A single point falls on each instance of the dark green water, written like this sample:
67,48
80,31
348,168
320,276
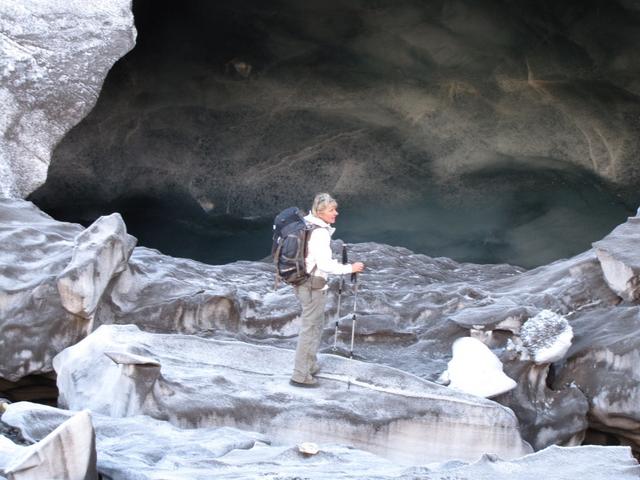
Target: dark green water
507,214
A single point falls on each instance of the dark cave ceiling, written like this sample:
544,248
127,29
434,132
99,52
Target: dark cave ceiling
245,107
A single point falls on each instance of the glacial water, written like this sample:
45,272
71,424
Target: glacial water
509,214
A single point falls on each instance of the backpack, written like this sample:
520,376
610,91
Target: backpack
290,237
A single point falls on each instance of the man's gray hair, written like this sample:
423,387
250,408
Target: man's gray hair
322,202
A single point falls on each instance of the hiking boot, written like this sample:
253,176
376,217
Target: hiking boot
315,369
310,384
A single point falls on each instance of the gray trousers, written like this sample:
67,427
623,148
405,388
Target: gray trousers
312,324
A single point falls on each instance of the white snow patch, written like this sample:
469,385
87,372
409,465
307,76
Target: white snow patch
547,337
476,370
557,350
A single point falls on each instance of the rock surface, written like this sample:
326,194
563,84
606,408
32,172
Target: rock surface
68,451
141,448
411,308
34,325
392,99
603,363
54,56
549,414
59,287
56,284
620,261
100,253
372,407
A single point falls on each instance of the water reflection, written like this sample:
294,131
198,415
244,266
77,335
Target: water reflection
506,214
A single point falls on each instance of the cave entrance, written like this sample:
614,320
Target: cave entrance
227,112
32,388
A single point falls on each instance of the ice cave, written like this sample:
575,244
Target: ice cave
484,157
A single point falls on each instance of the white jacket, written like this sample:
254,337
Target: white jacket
319,250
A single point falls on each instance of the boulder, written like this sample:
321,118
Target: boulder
53,277
502,315
602,363
34,325
617,253
205,382
68,452
549,415
55,57
100,252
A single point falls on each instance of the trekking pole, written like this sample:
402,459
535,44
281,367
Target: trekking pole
340,287
354,278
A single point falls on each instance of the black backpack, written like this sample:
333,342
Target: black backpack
290,237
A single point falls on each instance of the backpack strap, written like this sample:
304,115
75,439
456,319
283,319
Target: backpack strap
276,256
307,237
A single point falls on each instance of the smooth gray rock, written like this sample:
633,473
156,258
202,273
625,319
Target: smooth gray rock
53,276
603,363
9,433
618,255
405,294
548,416
100,252
495,316
411,308
54,56
391,98
68,451
165,294
207,382
141,448
404,298
589,462
34,326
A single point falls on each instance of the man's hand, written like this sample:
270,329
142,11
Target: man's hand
357,267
